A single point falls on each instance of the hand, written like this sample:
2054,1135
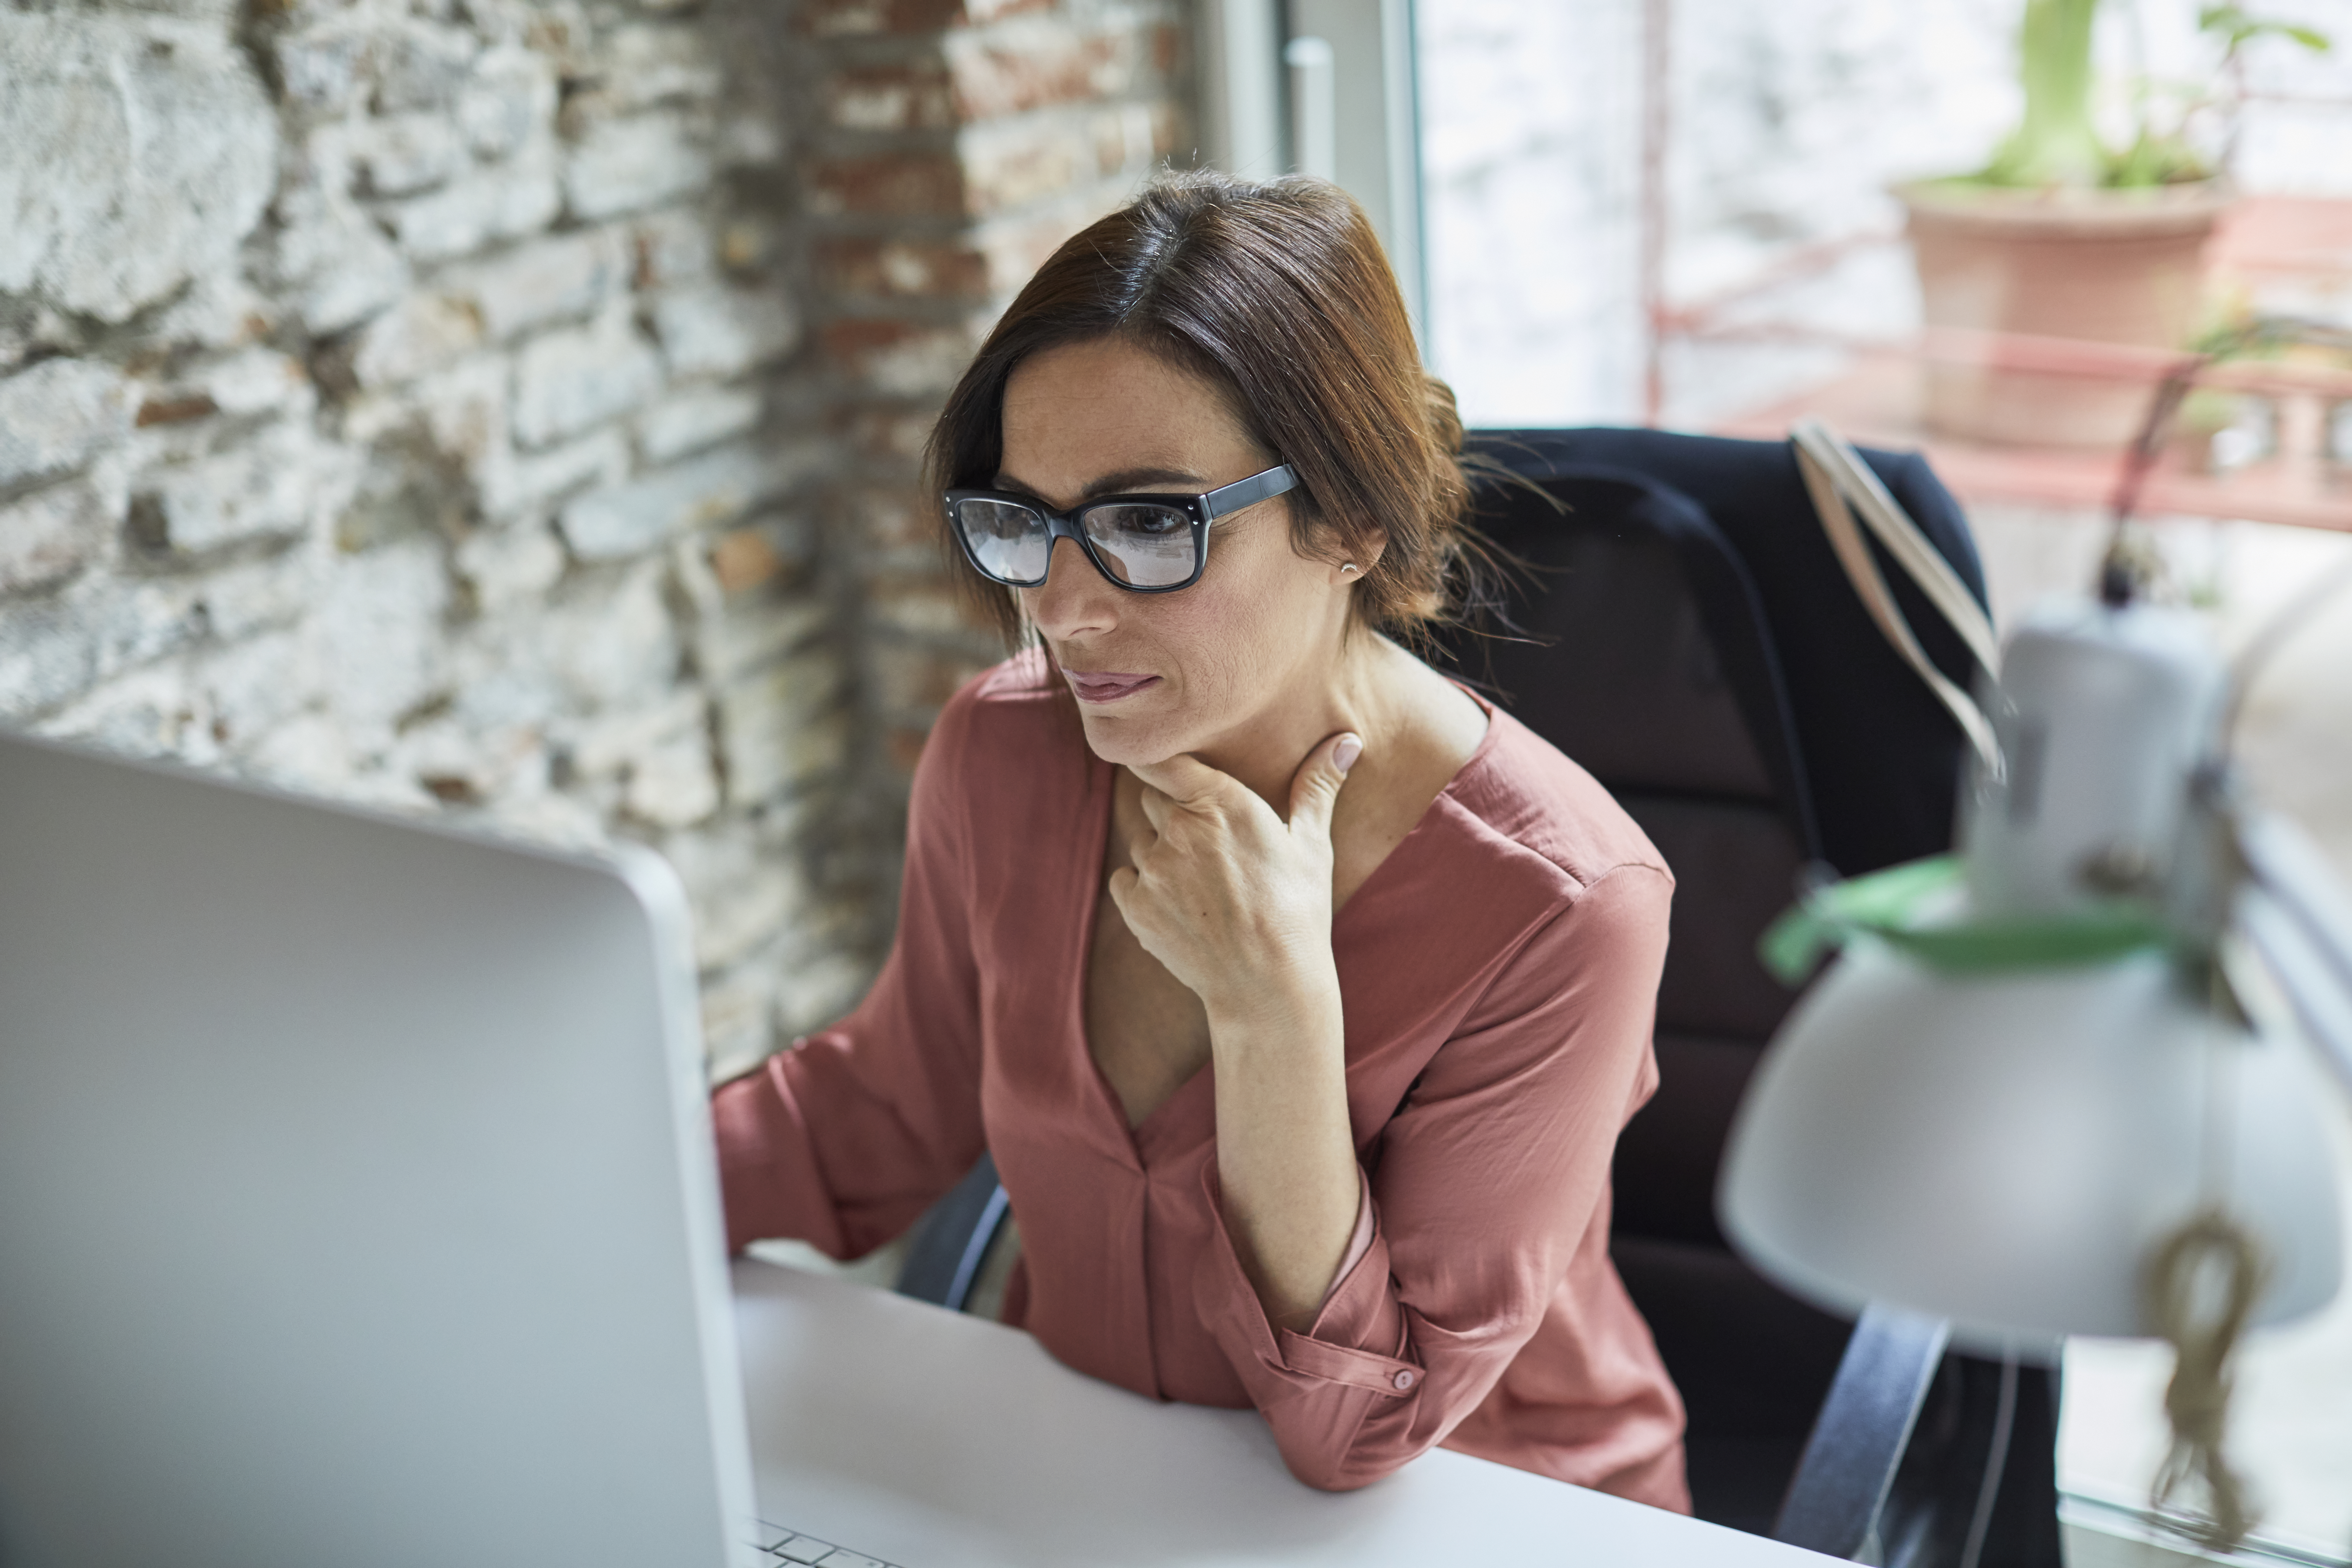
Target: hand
1232,900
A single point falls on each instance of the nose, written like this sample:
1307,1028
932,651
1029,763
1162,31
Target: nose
1074,601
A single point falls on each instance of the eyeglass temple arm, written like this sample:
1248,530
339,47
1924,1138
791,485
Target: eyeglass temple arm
1276,480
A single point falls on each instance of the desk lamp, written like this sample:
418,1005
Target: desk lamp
2046,1088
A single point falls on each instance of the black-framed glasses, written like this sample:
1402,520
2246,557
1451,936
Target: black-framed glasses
1145,543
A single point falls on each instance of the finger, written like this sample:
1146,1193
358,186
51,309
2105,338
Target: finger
1315,787
1121,884
1139,842
1156,808
1182,778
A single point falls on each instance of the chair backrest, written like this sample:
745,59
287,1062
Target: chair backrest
1691,640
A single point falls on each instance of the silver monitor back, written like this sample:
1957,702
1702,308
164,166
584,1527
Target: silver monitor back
356,1203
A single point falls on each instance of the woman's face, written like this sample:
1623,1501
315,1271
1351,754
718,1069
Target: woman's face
1160,674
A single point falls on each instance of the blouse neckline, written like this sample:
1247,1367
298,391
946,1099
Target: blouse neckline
1141,1141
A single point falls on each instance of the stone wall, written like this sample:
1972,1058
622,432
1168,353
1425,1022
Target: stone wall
952,144
505,409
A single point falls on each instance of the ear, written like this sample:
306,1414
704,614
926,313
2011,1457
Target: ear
1348,563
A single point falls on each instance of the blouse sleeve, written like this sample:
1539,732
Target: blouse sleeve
1487,1181
844,1140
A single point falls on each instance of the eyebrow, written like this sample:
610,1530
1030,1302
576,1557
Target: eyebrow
1125,481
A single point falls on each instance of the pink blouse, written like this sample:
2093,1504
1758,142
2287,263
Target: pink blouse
1499,972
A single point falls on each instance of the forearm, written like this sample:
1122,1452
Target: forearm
1285,1156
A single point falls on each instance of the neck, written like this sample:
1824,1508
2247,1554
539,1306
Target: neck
1354,690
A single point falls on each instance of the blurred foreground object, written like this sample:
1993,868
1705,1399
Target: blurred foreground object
2039,1094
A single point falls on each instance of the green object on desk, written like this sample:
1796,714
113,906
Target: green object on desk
1899,906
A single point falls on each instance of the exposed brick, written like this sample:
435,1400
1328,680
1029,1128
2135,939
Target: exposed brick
1017,245
887,434
1131,138
1009,164
527,545
905,184
900,358
851,19
893,517
905,269
1034,62
918,96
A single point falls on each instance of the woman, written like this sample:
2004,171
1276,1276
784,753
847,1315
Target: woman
1313,1112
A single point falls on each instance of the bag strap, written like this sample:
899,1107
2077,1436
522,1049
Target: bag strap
1842,486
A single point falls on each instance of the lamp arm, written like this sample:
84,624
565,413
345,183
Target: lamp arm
2299,921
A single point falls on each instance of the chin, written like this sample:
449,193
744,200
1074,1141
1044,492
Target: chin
1122,742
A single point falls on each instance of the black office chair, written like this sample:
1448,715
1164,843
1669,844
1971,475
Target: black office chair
1694,643
1688,636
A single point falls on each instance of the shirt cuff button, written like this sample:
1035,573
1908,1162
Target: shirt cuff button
1403,1380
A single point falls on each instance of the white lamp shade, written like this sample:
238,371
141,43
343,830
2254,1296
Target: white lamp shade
2003,1150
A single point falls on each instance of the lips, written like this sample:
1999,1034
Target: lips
1107,685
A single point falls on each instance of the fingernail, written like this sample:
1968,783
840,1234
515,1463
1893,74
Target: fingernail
1344,754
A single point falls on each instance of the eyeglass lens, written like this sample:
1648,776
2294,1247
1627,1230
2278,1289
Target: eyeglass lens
1140,544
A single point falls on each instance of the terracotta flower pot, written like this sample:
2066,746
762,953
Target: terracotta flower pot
2114,267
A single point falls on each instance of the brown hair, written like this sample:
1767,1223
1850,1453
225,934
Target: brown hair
1276,292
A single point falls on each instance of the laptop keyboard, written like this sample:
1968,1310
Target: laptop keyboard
784,1547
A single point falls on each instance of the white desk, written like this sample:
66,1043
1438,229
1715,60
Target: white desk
944,1441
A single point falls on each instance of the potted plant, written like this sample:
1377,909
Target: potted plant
2061,235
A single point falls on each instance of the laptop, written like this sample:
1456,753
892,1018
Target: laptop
357,1203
